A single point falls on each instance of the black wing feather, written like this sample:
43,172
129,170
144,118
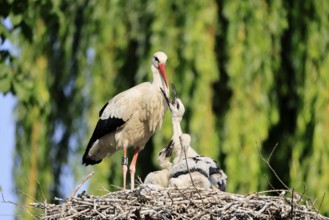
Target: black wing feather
103,128
102,109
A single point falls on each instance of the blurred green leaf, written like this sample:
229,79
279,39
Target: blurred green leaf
16,19
20,92
5,78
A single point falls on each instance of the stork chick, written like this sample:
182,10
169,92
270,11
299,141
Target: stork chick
130,119
188,171
196,163
160,178
203,169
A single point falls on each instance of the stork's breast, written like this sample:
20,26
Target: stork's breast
156,107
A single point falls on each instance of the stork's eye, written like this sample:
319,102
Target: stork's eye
156,59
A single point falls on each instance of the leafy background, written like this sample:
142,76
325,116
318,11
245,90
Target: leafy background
252,74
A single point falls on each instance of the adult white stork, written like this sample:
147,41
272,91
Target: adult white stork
130,119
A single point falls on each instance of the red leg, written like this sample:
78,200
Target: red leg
132,168
124,166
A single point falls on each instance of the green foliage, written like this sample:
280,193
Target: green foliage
253,57
250,73
309,165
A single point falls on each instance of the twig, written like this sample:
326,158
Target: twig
80,184
276,175
42,193
189,172
269,183
18,205
324,194
292,204
193,201
262,209
270,156
33,199
74,191
269,165
99,213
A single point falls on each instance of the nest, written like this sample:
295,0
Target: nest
189,203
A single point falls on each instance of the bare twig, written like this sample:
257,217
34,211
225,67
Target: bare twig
292,205
189,172
302,195
270,156
324,194
269,165
74,192
42,193
18,205
27,196
80,184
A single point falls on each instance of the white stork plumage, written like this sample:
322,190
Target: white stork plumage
160,178
130,119
184,170
204,170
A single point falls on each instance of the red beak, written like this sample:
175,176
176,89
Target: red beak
162,68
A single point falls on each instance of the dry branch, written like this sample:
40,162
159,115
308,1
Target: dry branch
149,203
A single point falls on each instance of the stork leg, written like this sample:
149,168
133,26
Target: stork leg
124,166
132,168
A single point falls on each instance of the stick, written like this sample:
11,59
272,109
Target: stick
18,205
189,172
80,184
268,164
292,205
74,191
